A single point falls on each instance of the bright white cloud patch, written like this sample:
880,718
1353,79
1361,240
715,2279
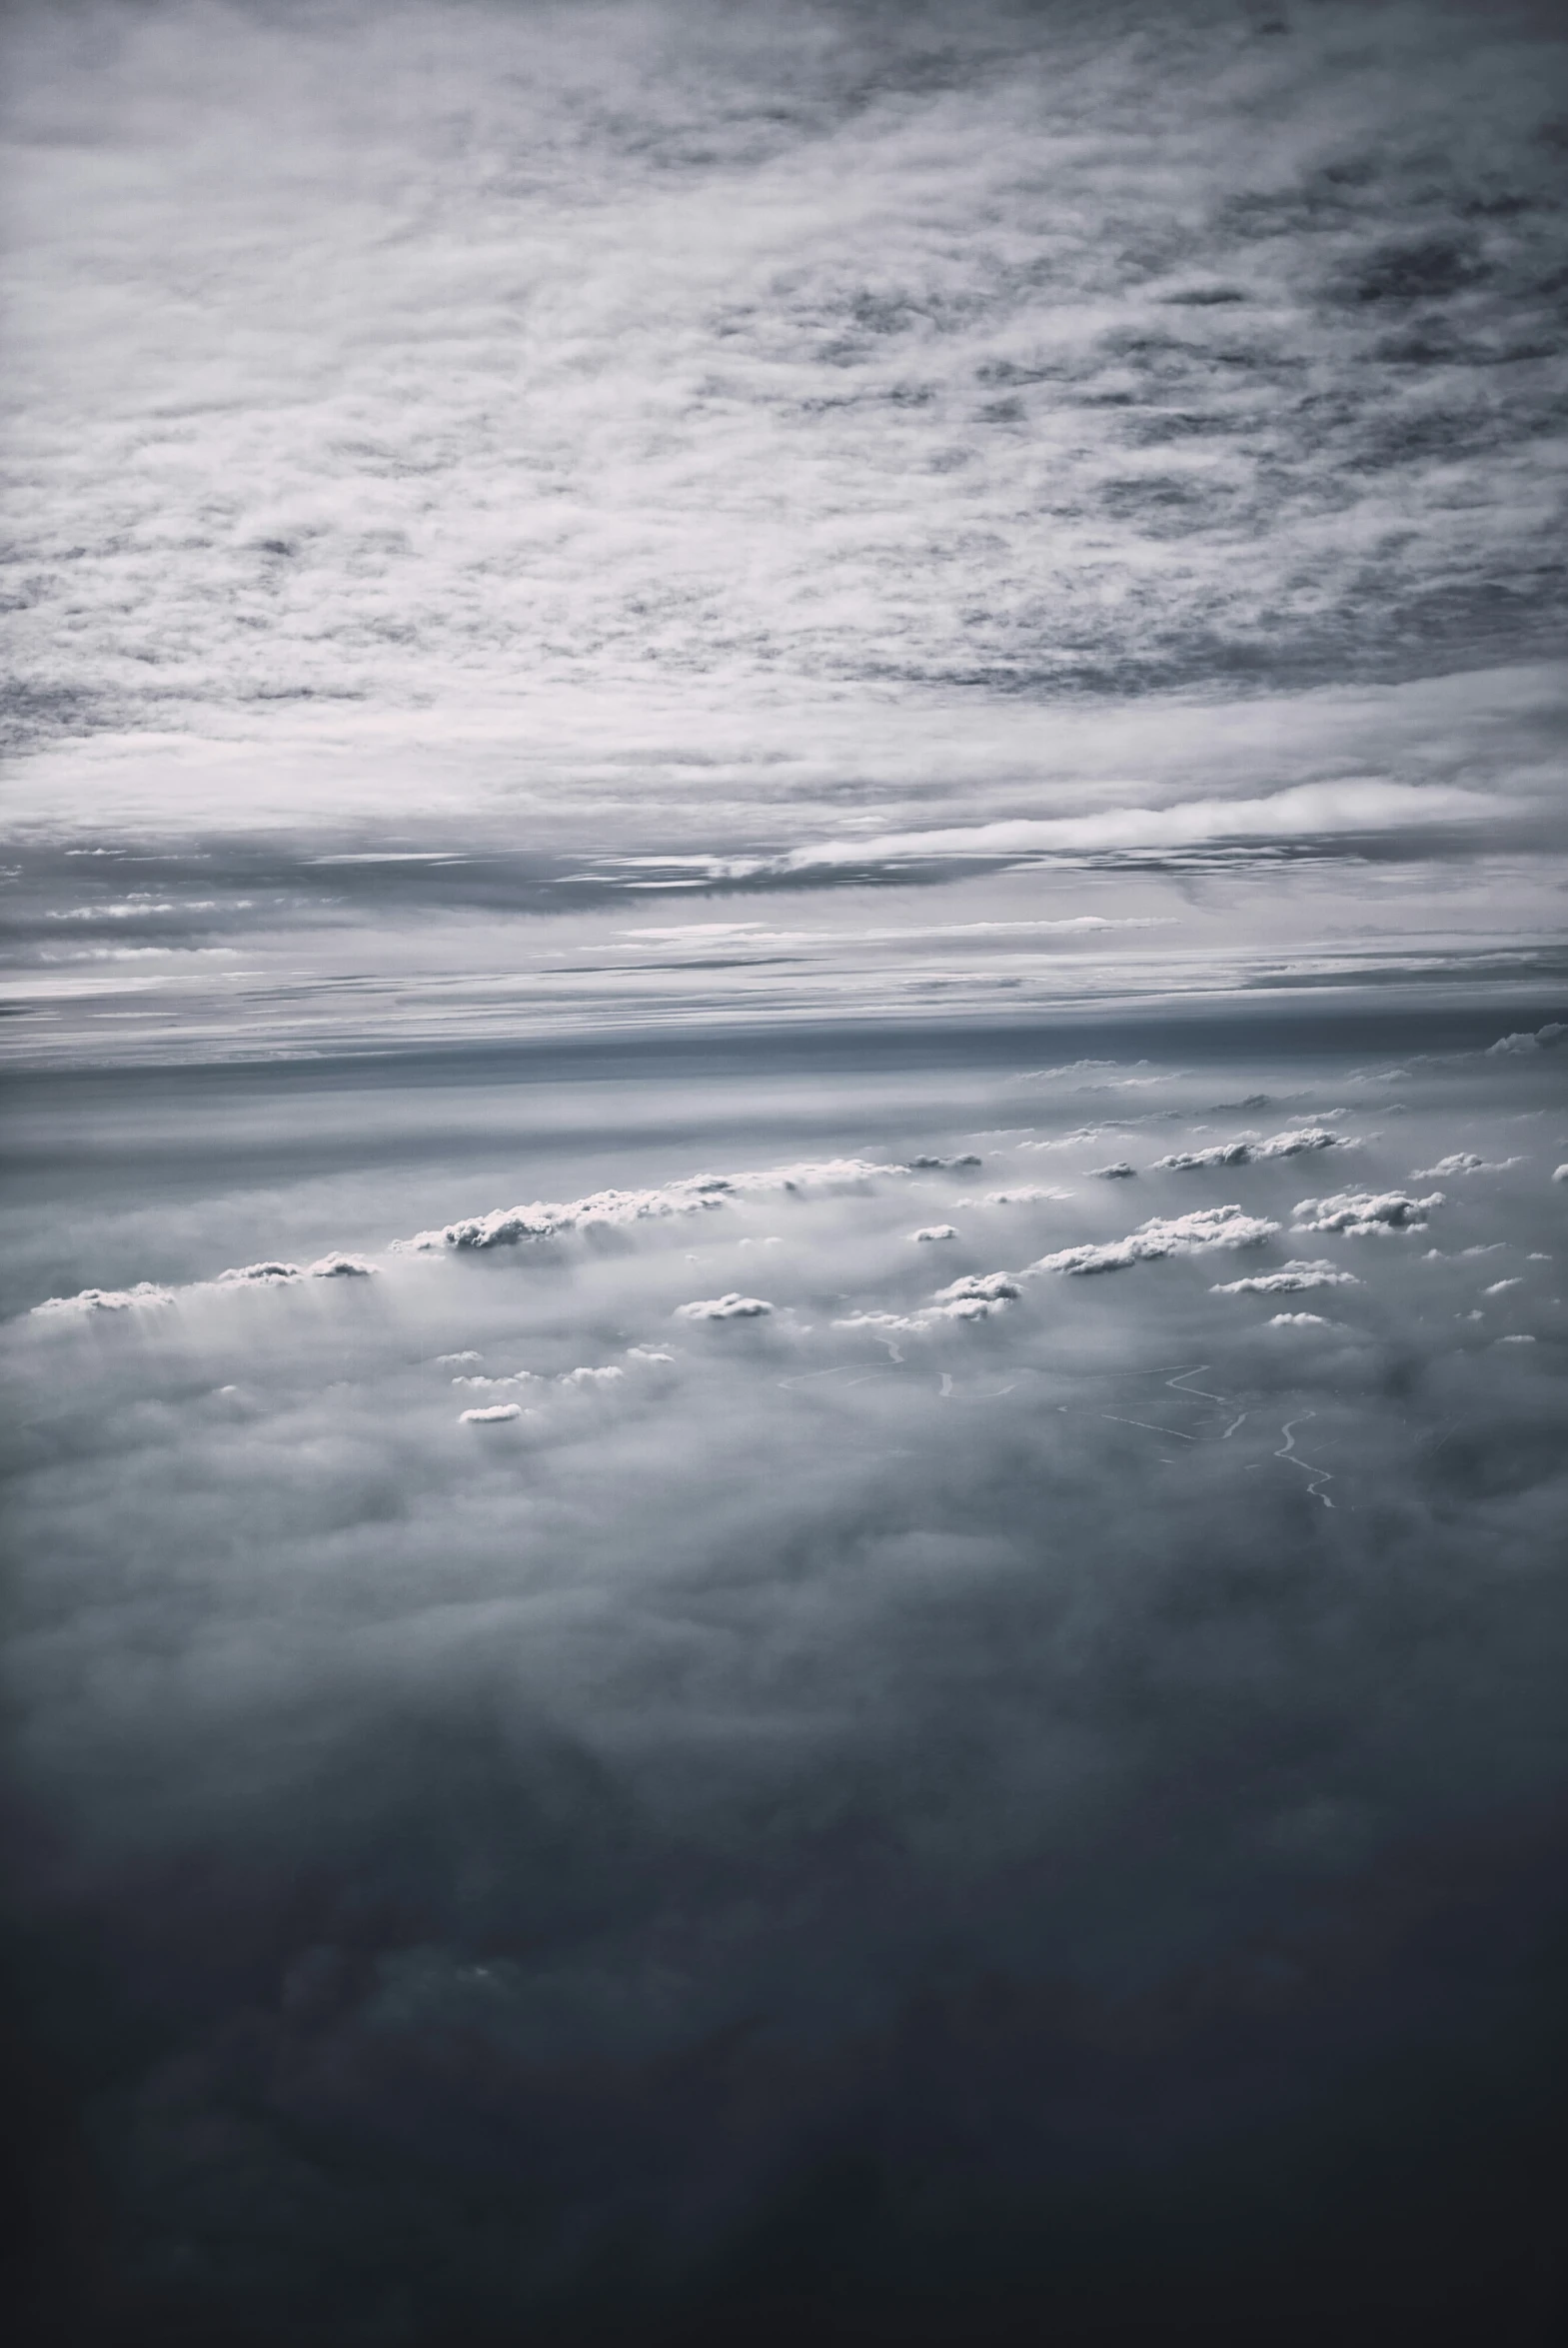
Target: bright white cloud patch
1461,1161
1290,1276
1358,1213
693,1195
1184,1235
729,1307
1249,1148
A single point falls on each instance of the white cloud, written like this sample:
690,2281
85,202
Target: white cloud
1248,1148
509,1226
977,1296
1290,1278
1501,1288
1462,1162
1184,1235
936,1231
87,1300
491,1414
1358,1213
730,1307
585,1377
1028,1195
1120,1171
1298,1320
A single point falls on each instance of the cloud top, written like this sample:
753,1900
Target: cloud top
1207,1227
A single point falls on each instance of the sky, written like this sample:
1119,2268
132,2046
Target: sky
786,1002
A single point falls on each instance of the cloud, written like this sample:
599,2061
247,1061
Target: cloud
1027,1195
1120,1171
1524,1043
936,1231
1290,1276
1311,811
1501,1288
977,1295
730,1307
1359,1212
1249,1150
1298,1320
1462,1162
489,1414
512,1226
87,1300
1196,1233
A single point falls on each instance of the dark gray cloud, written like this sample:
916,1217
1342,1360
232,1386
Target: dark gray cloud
945,1743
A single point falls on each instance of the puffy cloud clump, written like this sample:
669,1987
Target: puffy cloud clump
1248,1150
1300,1320
587,1378
977,1296
1182,1235
1521,1044
87,1300
1462,1162
1028,1195
1358,1213
338,1266
730,1307
1121,1172
489,1414
511,1226
1290,1279
936,1231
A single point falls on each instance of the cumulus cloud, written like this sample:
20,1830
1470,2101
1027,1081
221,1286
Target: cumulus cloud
89,1300
1462,1162
1249,1148
692,1194
936,1231
1196,1233
1358,1213
730,1307
1027,1195
977,1295
1298,1274
1298,1320
489,1414
1526,1042
1119,1171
